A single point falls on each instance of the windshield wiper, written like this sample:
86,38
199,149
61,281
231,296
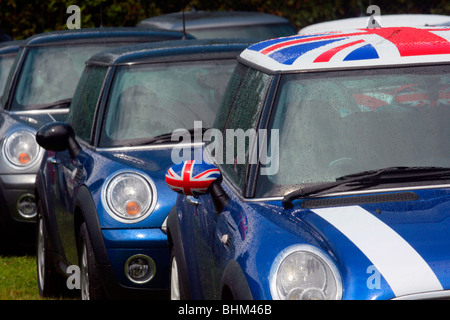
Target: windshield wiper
165,137
64,103
371,177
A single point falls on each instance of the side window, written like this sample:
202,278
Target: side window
240,127
84,103
4,93
229,96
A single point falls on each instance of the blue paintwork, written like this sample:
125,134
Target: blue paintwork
120,240
154,163
260,230
229,248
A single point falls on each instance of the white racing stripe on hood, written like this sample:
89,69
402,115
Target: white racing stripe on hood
402,267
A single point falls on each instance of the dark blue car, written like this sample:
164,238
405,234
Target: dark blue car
39,89
101,196
328,176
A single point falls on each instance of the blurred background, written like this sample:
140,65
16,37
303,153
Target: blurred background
21,19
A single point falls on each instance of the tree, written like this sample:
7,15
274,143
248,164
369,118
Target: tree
21,18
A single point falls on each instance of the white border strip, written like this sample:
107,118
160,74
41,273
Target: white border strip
403,268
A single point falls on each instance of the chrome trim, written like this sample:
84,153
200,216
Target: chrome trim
164,225
148,147
306,248
34,112
192,200
445,294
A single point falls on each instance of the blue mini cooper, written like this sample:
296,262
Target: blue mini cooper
101,196
39,89
329,173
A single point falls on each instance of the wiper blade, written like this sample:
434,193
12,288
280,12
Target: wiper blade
399,173
165,137
65,103
365,178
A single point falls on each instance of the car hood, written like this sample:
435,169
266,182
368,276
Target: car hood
154,162
392,247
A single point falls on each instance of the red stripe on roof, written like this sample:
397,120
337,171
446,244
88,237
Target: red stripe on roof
327,55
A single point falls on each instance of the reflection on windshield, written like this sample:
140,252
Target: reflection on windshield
51,74
6,63
333,124
149,100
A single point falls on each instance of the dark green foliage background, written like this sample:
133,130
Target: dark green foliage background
20,18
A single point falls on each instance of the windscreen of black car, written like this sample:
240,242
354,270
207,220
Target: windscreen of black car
6,62
149,100
332,124
50,75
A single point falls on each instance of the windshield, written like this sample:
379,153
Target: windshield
150,100
257,32
332,124
6,62
50,75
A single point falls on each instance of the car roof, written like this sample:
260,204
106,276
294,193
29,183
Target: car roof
390,20
210,19
96,35
356,48
10,46
169,51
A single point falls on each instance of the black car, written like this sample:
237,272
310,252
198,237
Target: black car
224,24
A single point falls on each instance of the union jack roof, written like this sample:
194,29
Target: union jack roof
352,48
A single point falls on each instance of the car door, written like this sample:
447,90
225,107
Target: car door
70,172
67,176
223,226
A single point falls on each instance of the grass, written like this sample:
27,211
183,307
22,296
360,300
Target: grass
18,279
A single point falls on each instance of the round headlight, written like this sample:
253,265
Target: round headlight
21,149
129,197
304,272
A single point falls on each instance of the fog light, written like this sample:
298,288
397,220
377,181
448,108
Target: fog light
26,206
140,269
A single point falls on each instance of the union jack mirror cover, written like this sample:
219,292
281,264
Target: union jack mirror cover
191,177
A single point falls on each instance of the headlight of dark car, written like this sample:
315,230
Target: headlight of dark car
303,272
129,197
21,150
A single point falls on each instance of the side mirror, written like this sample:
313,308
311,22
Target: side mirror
192,178
58,136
